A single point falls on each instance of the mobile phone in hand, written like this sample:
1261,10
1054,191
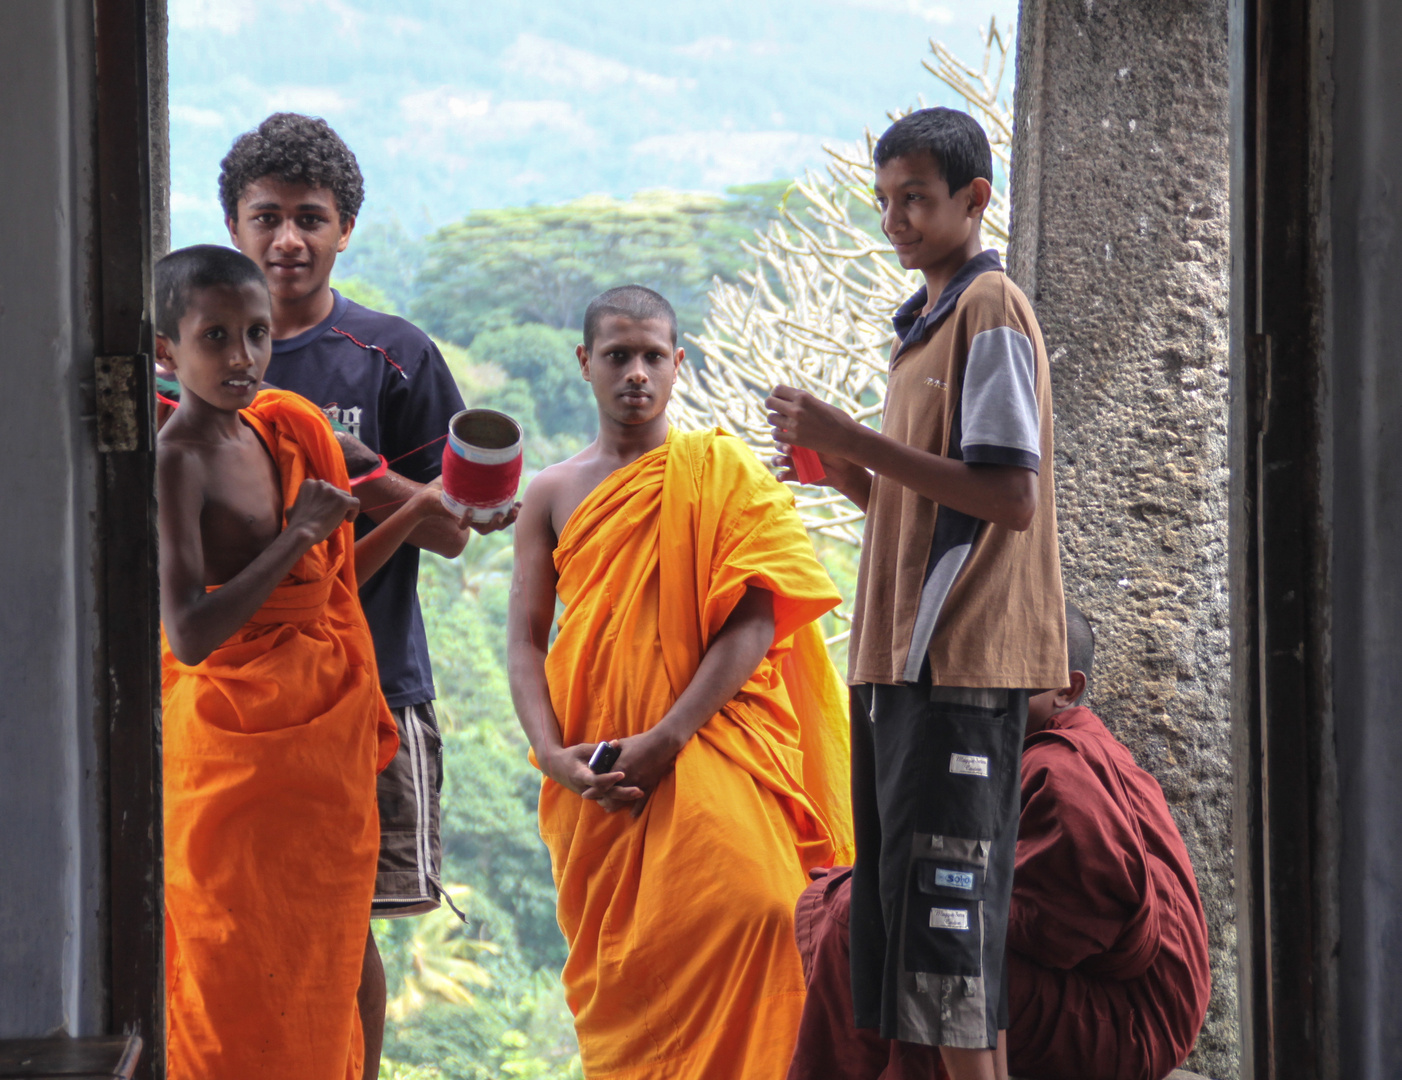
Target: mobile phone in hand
603,757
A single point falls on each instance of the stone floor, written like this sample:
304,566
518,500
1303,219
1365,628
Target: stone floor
1176,1074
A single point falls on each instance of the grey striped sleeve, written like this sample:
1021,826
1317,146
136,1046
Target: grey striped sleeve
1000,418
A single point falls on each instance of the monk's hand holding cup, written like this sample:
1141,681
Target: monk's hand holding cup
320,509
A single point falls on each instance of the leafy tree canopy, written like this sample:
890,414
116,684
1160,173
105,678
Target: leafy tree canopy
543,264
543,358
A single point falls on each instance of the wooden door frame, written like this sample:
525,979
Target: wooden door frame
130,124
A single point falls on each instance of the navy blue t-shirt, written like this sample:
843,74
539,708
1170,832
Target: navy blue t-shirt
382,378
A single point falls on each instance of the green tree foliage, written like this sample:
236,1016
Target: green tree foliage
542,264
387,257
365,293
543,359
504,294
508,956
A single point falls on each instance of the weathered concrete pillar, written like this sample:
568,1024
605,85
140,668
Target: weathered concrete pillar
1120,238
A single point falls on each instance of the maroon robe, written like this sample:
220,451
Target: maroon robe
1107,944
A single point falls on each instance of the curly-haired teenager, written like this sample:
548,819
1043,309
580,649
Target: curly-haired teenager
291,190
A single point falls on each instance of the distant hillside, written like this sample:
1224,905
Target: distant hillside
456,107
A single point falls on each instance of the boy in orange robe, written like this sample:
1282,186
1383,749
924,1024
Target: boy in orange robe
688,643
273,722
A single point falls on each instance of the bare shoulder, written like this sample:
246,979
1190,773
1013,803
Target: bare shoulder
546,488
535,531
558,489
533,581
181,465
182,484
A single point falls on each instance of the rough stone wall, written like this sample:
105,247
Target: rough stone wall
1120,238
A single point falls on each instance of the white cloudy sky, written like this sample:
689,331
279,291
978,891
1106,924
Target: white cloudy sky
453,106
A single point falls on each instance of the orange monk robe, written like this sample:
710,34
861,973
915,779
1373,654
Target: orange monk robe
682,961
271,747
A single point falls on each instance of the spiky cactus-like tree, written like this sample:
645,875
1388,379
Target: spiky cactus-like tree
814,310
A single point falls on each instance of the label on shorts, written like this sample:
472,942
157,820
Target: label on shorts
953,879
968,765
949,919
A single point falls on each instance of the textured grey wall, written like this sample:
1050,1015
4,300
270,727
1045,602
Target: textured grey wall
51,949
1120,238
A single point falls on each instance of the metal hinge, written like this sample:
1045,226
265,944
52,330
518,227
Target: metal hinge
122,386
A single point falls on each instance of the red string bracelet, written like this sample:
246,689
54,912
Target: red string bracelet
374,474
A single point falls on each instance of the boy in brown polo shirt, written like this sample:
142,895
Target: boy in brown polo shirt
959,609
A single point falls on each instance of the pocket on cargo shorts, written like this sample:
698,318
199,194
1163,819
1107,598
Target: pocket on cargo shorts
961,750
944,932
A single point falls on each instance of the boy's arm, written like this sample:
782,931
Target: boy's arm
197,622
438,531
374,549
849,479
730,659
416,411
1002,494
530,609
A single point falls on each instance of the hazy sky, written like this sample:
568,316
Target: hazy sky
452,106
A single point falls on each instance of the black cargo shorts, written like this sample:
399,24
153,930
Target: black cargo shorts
935,802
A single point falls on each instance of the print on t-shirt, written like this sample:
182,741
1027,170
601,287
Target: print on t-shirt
385,381
348,418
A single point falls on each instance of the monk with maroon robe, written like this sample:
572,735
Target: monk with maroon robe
1107,942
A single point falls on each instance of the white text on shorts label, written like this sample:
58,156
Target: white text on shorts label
949,919
968,765
953,879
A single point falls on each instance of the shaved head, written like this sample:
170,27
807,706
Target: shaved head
636,302
200,267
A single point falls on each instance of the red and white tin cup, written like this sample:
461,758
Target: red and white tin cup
481,463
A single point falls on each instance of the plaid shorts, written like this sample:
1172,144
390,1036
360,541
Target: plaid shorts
935,801
411,849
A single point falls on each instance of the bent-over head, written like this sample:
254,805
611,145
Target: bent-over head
1080,658
1080,643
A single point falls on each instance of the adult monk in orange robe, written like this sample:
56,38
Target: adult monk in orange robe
273,722
688,644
